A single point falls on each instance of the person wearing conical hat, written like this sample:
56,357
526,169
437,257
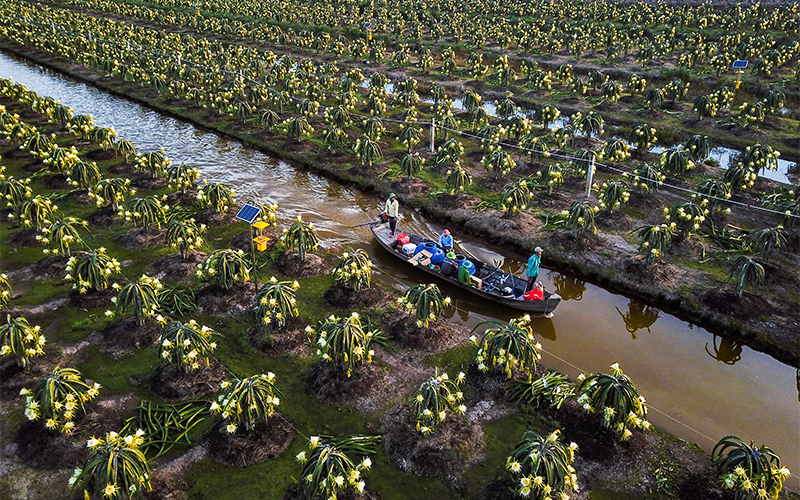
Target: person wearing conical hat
392,209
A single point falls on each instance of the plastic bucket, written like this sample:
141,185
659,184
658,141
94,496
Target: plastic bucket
459,259
437,257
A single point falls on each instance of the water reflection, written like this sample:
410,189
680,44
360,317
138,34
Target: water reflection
726,350
639,316
569,287
544,327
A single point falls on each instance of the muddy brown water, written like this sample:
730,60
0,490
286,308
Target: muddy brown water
699,386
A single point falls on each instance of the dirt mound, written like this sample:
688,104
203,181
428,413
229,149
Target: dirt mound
454,446
48,450
749,305
104,217
332,385
140,239
409,187
217,301
57,182
438,337
122,168
94,299
583,242
374,297
289,264
143,180
125,334
616,221
23,238
288,339
171,383
52,267
174,268
216,219
688,246
186,199
243,449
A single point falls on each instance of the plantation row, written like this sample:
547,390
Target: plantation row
314,89
118,463
704,38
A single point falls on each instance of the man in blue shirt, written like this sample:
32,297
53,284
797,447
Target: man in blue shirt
446,241
533,267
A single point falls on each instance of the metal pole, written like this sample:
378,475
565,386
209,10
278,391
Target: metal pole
253,253
433,134
589,174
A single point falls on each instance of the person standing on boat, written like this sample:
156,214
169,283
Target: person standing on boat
446,241
533,268
392,208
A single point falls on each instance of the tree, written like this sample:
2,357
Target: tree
426,301
185,344
58,398
139,298
368,150
5,291
614,396
62,233
611,91
747,272
590,123
112,191
653,98
498,161
768,239
516,196
676,161
542,467
224,268
182,177
705,105
511,346
330,466
613,194
458,180
297,127
655,240
345,342
91,270
21,340
752,472
37,212
148,211
216,196
115,464
276,301
434,398
354,269
580,217
698,147
247,402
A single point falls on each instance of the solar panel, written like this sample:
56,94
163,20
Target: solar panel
739,64
248,213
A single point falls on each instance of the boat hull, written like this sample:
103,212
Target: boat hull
543,307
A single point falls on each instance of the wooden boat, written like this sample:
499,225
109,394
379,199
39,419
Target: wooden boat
488,282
